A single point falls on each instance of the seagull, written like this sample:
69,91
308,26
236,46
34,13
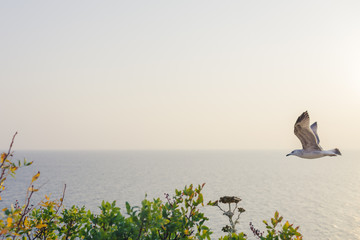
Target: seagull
310,140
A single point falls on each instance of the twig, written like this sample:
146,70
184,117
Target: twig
237,219
235,208
220,208
62,199
141,228
12,142
26,211
7,154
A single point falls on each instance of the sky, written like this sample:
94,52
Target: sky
174,75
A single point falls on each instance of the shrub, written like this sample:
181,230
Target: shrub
177,217
277,231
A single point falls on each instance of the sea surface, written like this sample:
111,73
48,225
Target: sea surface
322,196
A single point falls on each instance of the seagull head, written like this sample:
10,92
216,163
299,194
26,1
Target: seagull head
297,152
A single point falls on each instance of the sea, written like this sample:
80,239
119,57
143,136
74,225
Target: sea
322,196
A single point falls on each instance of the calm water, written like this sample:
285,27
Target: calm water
321,195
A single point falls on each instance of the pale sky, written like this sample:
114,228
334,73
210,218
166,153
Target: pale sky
178,74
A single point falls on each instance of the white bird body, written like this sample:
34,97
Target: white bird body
310,140
313,154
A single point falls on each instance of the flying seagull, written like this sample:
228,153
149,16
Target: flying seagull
309,139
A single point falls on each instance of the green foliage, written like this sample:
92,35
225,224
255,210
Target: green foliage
109,224
71,220
178,217
234,236
277,231
183,216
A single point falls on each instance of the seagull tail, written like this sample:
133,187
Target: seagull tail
336,151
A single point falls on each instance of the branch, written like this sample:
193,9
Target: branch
7,154
141,228
25,212
234,208
220,208
237,219
61,202
12,142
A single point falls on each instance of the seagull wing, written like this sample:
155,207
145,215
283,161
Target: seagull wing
306,135
314,129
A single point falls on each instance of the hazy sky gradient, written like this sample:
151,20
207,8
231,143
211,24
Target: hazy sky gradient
178,74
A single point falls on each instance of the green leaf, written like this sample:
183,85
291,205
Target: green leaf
128,208
276,215
286,226
274,222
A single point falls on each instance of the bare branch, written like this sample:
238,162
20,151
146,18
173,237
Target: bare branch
220,208
7,154
12,142
235,208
